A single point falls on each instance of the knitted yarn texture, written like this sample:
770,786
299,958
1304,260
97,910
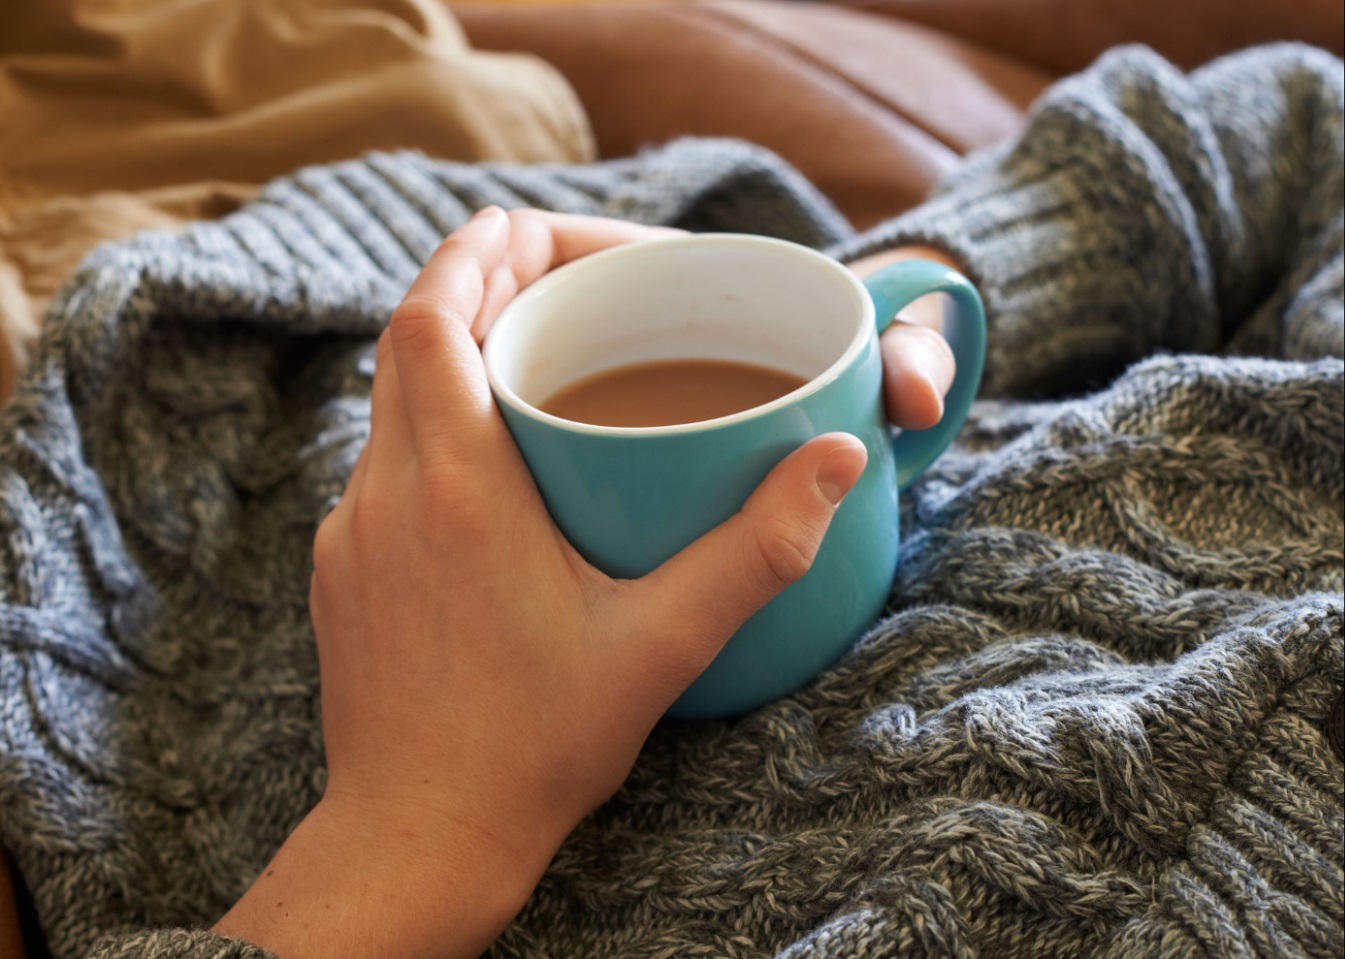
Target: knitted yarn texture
1088,723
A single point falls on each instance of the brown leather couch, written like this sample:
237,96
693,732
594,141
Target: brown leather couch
873,100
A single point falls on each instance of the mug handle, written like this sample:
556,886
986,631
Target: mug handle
893,288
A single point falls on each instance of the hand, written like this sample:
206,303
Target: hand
918,364
483,687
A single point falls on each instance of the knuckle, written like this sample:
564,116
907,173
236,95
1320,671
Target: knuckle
450,503
784,552
932,337
936,336
328,548
412,321
532,242
527,219
362,520
418,320
440,490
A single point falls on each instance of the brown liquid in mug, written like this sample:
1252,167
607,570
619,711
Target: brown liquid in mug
668,392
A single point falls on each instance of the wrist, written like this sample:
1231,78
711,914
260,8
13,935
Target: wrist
361,883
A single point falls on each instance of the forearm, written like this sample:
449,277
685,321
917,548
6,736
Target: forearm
362,885
340,889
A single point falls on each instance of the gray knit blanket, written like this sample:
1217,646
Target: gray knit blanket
1089,723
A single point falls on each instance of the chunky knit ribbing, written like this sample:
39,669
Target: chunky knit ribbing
1147,213
1087,724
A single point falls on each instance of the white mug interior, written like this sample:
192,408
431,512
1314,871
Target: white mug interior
711,296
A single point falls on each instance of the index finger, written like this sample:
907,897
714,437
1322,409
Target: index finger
439,366
462,288
540,241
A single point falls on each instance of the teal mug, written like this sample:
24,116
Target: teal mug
630,497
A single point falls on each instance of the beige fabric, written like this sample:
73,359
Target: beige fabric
126,114
41,242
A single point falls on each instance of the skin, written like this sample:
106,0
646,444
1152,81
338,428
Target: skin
443,809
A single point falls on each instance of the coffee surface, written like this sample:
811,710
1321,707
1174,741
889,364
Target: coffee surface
668,392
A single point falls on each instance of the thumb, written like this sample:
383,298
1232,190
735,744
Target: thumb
711,587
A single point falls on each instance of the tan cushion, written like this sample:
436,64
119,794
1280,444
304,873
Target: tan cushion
135,114
142,94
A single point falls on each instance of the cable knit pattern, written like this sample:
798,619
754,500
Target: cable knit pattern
1087,725
181,944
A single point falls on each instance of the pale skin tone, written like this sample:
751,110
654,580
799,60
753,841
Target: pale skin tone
483,688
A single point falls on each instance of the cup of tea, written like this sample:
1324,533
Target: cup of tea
651,387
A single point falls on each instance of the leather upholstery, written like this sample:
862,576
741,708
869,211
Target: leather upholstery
1063,36
873,110
872,99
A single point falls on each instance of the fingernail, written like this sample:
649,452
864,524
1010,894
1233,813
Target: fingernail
936,391
839,471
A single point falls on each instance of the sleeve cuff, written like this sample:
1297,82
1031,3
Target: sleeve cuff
1023,236
177,944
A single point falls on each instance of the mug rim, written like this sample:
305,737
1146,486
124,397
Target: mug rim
504,392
